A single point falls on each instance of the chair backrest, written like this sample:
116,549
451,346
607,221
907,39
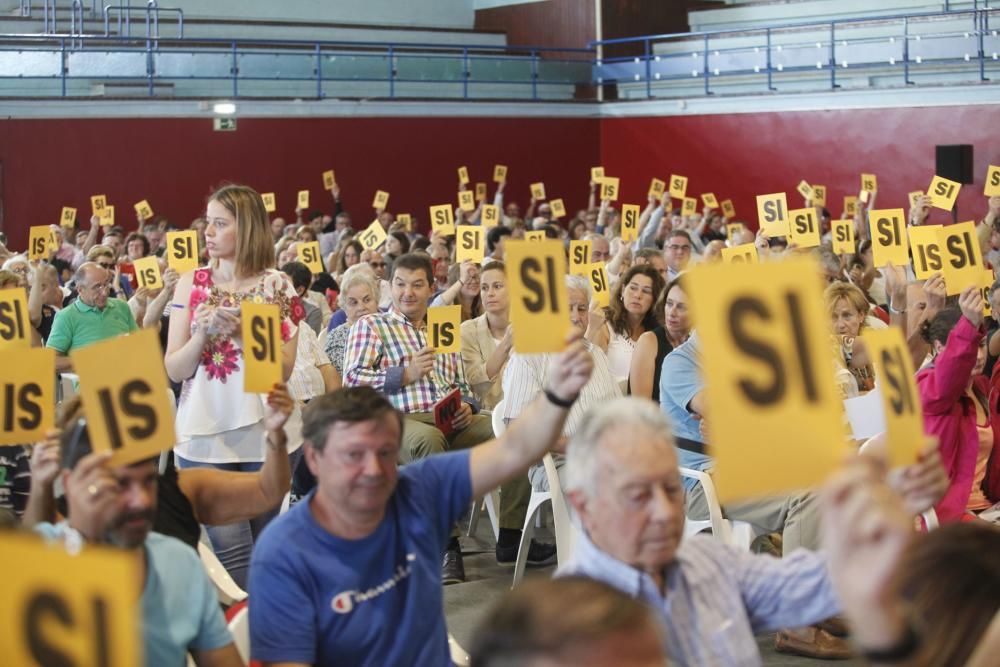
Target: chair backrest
239,628
720,527
498,423
565,528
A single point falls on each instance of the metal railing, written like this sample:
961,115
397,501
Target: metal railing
760,58
152,13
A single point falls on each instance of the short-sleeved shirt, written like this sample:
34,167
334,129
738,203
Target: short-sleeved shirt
324,600
180,609
680,382
79,325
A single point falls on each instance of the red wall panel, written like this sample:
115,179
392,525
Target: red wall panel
740,156
175,163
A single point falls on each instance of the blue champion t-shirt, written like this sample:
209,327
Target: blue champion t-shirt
322,600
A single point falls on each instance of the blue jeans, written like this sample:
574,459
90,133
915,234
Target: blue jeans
233,543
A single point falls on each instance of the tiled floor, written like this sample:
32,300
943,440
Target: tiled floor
466,604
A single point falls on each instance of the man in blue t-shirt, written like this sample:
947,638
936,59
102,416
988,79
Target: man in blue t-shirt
351,575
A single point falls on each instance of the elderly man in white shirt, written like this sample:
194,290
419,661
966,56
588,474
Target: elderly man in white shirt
525,376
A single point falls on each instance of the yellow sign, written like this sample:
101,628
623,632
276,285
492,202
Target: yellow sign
804,189
538,191
329,180
261,326
869,183
732,228
764,343
463,175
182,250
992,187
579,256
38,242
819,195
772,214
943,192
28,391
985,285
630,222
480,191
728,210
69,609
850,206
962,257
405,220
709,200
803,227
500,173
15,323
925,245
54,240
303,199
558,208
599,283
309,254
596,174
689,206
657,188
914,196
147,272
678,186
144,210
129,408
466,201
490,215
67,218
539,307
904,422
741,254
97,203
381,199
843,237
443,323
470,243
888,234
373,236
107,216
269,204
443,220
609,188
534,236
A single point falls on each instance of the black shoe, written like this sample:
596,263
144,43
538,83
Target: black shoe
539,554
452,568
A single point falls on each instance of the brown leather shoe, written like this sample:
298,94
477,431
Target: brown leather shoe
812,642
836,626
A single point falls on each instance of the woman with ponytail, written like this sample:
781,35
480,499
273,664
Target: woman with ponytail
959,407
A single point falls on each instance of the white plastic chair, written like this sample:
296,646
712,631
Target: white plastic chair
239,628
227,590
563,525
736,533
458,654
491,501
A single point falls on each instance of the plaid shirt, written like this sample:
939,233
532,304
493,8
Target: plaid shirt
380,346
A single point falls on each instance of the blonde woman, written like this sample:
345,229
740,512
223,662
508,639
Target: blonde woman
848,310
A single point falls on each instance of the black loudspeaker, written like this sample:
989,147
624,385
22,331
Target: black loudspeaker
954,163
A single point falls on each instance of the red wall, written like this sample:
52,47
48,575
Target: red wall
740,156
175,163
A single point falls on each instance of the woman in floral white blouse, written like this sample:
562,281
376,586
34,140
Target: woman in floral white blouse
218,424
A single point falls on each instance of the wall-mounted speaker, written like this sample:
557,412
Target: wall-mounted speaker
954,163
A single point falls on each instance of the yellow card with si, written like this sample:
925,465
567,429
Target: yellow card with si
689,206
373,236
819,195
144,209
442,220
29,392
303,199
538,191
539,306
992,187
490,215
67,217
182,250
107,216
869,183
558,208
764,339
596,174
609,188
709,200
904,420
38,242
15,323
309,254
888,234
657,188
728,210
269,204
97,203
329,180
803,227
678,186
381,199
804,189
480,191
463,175
630,222
406,221
261,325
843,236
147,272
961,256
943,193
579,256
772,214
470,243
443,323
534,236
500,173
597,273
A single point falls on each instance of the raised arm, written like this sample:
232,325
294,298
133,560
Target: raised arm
947,380
184,348
537,430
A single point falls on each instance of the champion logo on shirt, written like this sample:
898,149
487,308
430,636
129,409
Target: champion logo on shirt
343,603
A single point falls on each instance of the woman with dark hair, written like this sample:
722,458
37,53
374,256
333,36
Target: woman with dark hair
396,244
653,346
348,255
630,315
957,407
463,289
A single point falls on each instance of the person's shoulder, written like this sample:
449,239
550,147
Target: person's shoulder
283,532
171,550
434,467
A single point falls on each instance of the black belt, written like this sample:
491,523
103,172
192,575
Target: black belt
690,445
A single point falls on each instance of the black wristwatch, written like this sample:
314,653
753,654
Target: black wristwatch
555,400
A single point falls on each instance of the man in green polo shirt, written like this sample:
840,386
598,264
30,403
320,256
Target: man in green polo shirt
91,318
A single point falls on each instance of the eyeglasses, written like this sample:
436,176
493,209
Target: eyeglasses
100,287
109,267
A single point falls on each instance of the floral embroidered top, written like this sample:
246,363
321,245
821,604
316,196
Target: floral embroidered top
212,401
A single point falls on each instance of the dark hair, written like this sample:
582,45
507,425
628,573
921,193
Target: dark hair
136,236
617,315
951,578
551,231
420,243
299,273
413,261
558,619
494,235
403,239
648,253
342,255
939,327
493,265
679,232
350,404
323,282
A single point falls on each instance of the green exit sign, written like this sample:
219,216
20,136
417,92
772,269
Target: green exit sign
224,124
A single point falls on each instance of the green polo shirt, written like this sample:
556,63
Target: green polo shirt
79,325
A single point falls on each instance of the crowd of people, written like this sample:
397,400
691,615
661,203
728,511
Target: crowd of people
374,482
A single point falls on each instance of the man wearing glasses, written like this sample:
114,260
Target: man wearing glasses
677,252
91,318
